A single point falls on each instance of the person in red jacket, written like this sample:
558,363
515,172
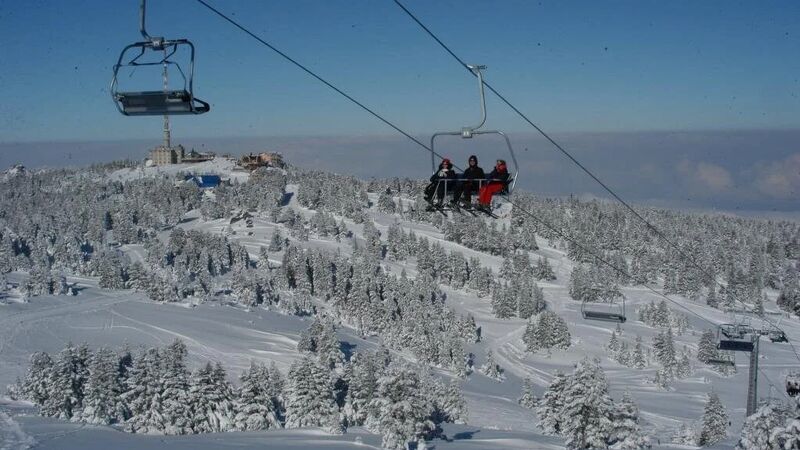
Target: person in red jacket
495,182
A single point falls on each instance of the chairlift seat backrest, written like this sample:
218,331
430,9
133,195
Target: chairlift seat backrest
506,184
722,361
149,103
604,316
735,345
732,331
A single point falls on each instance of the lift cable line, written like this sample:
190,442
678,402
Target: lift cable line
430,150
425,147
310,72
649,225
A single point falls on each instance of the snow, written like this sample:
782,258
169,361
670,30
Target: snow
235,336
11,434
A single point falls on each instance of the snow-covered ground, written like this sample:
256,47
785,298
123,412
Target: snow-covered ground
235,336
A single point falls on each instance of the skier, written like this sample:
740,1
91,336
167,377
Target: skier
439,182
469,182
495,182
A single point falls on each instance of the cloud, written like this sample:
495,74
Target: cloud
705,176
780,179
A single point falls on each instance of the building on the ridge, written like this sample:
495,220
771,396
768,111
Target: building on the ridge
263,159
163,155
197,157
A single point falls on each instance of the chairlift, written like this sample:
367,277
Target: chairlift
156,102
723,358
734,338
777,336
732,330
793,384
611,312
468,132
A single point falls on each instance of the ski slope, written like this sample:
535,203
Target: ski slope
235,336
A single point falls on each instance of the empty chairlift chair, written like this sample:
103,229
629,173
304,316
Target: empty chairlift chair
166,101
723,358
733,337
606,312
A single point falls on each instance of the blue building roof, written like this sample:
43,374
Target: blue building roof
205,180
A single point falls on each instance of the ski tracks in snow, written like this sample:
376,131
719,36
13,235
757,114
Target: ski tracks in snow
11,435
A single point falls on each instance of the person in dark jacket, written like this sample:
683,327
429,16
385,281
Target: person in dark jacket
495,182
443,179
469,182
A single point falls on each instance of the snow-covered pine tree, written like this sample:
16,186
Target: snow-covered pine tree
66,383
36,386
685,435
788,437
627,433
452,404
403,409
639,360
362,383
175,409
309,336
550,407
329,349
707,347
211,400
143,392
624,356
761,430
373,239
613,346
491,369
711,298
263,257
102,402
277,242
530,298
684,367
528,398
274,385
546,330
254,407
543,270
310,399
715,421
137,277
457,357
386,202
588,409
664,346
503,305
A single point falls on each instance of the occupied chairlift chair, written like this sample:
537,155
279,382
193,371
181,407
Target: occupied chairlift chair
162,102
793,384
470,132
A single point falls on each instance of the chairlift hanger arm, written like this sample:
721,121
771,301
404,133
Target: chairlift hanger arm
476,69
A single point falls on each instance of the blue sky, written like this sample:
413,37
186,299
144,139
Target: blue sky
616,66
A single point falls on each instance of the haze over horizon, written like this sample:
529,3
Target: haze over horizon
685,104
711,170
